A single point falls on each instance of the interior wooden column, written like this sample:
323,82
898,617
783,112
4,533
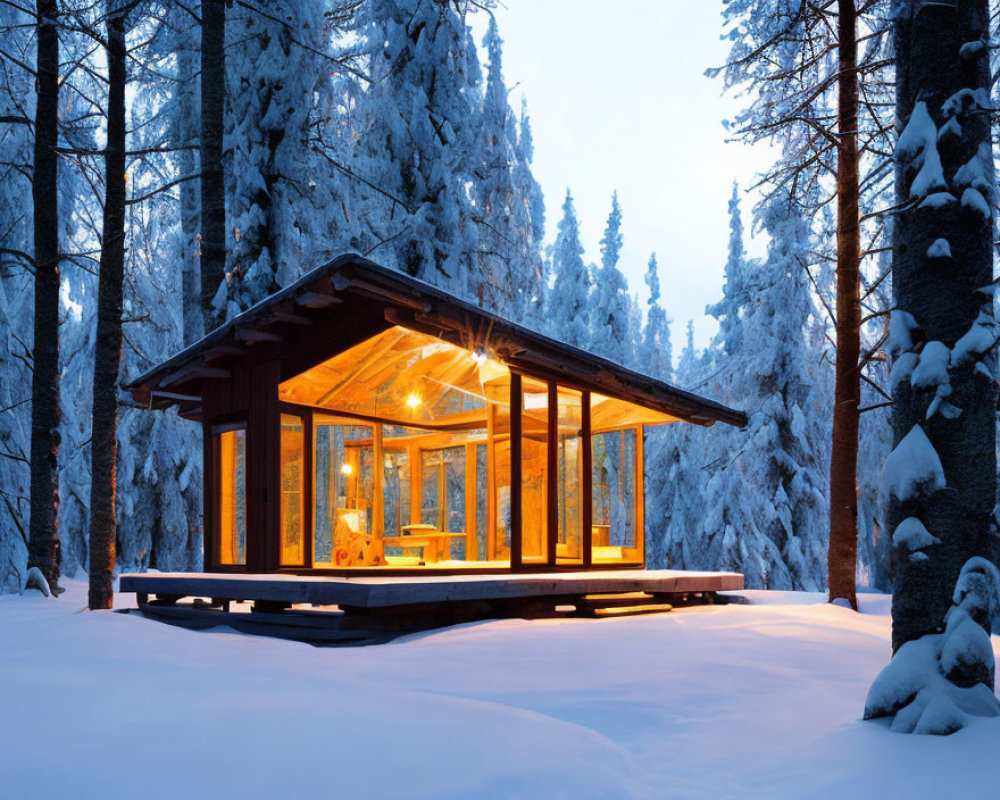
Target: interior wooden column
470,503
491,483
378,479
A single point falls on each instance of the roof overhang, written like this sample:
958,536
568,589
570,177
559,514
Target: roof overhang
410,303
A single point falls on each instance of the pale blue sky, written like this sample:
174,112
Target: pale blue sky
618,100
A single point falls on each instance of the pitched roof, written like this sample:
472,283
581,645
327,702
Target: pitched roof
414,304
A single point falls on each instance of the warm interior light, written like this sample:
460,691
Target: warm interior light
479,357
413,400
346,469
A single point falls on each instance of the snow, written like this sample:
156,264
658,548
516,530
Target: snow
938,200
980,337
971,49
966,101
902,324
913,536
939,249
918,145
941,682
749,701
932,369
912,468
972,198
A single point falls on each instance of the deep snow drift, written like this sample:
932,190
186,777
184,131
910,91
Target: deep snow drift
755,700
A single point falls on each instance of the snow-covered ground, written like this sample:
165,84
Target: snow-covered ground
758,700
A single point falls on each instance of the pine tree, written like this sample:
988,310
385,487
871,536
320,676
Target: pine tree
568,306
108,350
609,315
765,502
735,287
212,244
530,227
272,73
418,143
656,352
43,546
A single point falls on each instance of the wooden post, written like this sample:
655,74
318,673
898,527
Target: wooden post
263,481
640,498
515,471
416,484
552,476
491,483
470,503
378,478
586,484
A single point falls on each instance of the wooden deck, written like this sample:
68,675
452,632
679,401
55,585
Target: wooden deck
370,609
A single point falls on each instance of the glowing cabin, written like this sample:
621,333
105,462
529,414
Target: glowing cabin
362,420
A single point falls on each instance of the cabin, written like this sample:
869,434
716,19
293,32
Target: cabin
363,422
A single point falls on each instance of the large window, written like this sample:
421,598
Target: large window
534,470
231,449
344,491
293,490
615,531
569,477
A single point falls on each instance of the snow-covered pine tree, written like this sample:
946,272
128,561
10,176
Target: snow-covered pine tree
675,497
494,282
609,307
568,304
656,353
419,123
529,225
941,475
273,66
734,288
765,504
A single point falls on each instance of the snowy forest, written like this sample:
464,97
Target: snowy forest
257,139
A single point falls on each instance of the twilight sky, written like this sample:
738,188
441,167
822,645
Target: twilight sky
618,100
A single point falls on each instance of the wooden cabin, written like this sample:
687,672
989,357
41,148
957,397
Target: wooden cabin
362,421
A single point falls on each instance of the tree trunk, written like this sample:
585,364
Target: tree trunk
43,546
942,260
843,550
108,348
213,197
194,325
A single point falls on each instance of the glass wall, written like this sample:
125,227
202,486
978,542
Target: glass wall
499,537
293,472
344,489
534,470
615,535
231,446
569,473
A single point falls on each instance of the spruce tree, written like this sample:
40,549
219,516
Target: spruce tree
568,306
609,314
656,352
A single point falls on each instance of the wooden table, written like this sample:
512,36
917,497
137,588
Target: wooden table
434,545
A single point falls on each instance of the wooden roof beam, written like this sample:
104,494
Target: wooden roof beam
316,300
254,336
290,318
193,372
